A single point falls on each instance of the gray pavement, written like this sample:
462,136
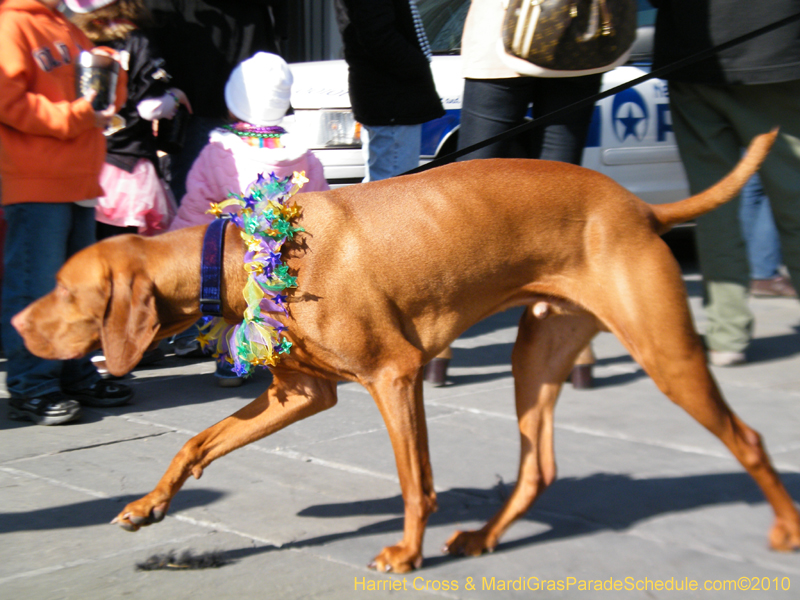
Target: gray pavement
644,494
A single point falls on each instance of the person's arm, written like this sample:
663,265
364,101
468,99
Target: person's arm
30,112
163,107
212,176
315,175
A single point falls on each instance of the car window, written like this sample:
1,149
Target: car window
444,21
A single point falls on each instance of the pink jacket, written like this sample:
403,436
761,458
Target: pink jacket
228,164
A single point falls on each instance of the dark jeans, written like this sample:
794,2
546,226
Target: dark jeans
493,106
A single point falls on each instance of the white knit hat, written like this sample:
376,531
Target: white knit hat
259,89
86,6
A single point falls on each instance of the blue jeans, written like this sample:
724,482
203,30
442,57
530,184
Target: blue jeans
390,150
760,232
40,238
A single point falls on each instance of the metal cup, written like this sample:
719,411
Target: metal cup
97,72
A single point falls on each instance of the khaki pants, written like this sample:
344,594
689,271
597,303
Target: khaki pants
712,124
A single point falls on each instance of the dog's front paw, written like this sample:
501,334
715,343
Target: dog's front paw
469,543
397,559
785,536
143,512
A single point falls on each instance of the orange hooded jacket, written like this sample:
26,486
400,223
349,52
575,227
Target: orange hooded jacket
50,148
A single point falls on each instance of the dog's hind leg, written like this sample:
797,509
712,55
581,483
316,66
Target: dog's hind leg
291,397
654,323
542,358
398,393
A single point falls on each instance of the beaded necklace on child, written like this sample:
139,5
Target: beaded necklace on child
259,137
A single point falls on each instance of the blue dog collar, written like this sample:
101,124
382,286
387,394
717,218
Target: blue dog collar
211,268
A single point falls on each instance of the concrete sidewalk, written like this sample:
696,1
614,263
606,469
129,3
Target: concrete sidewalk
644,493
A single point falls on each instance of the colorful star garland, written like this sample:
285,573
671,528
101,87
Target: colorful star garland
265,218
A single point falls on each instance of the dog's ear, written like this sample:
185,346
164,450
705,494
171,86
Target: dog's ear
130,323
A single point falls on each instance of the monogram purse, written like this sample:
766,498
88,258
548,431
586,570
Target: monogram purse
567,38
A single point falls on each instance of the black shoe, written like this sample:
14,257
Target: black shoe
103,394
48,409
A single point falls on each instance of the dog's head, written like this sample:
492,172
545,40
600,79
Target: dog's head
103,298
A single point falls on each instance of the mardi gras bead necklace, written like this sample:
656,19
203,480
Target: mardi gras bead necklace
265,218
261,137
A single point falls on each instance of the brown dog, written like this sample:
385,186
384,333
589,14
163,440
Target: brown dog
389,274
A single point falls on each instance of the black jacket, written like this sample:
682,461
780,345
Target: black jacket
684,27
146,79
203,40
389,76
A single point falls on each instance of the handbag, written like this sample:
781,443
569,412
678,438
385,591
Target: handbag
567,38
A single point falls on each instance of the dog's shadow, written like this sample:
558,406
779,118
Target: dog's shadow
762,349
98,511
500,354
571,507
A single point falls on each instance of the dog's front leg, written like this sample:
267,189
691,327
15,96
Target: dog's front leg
399,398
291,397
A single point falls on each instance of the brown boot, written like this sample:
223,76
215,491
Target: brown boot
581,377
777,287
436,371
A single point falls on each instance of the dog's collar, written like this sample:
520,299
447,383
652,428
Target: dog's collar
211,268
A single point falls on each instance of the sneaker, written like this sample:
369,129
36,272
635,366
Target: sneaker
722,358
188,347
103,394
777,287
225,375
48,409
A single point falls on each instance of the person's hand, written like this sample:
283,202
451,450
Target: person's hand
101,117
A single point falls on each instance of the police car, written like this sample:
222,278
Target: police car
630,137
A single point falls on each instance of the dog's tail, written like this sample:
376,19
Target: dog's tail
668,215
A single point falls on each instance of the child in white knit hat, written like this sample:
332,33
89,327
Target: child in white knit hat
257,95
